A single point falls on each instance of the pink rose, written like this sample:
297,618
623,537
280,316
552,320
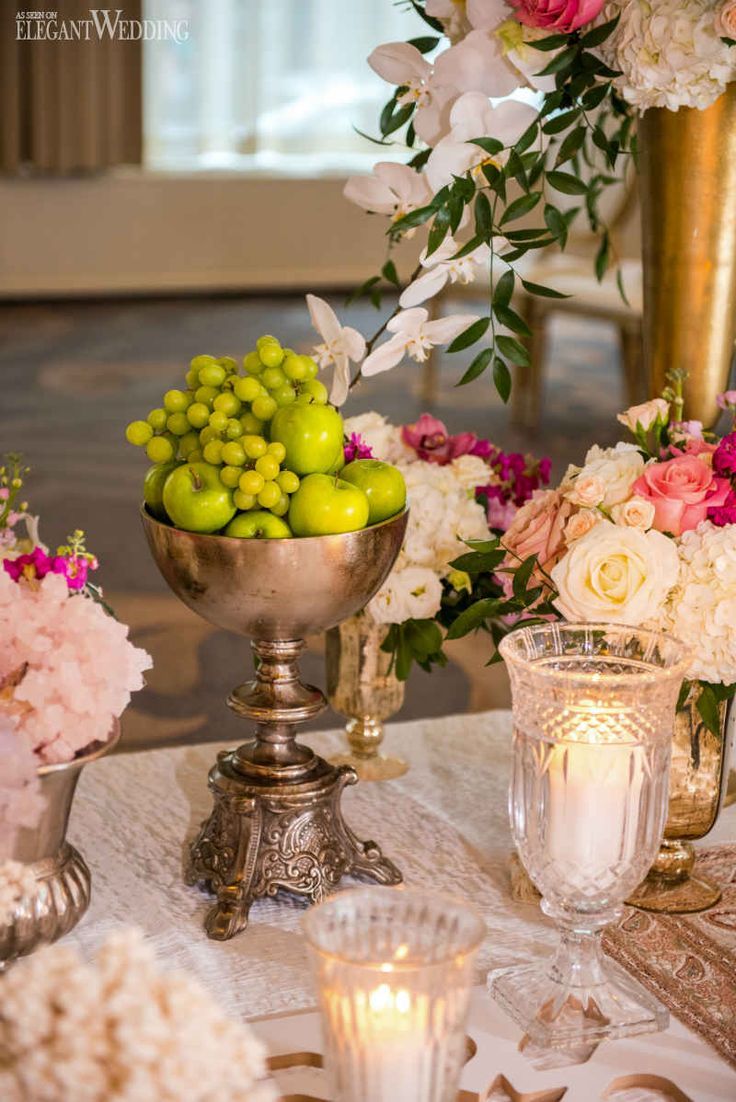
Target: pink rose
682,491
557,15
537,529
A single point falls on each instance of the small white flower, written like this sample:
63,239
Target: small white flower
443,269
410,594
414,335
341,344
392,189
402,64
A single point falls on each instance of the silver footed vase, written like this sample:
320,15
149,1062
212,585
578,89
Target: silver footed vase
63,881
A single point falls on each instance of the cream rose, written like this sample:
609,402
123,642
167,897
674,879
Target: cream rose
645,415
637,512
613,469
617,575
580,523
587,490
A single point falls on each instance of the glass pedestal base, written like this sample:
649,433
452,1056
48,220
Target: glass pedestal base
376,767
558,1015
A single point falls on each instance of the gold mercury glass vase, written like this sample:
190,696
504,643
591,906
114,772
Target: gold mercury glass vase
687,163
362,686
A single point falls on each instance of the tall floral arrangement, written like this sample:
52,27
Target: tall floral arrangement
480,156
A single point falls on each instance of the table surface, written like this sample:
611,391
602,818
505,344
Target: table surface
444,823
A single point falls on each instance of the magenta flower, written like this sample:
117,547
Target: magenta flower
356,448
724,457
35,565
75,569
431,441
722,515
727,400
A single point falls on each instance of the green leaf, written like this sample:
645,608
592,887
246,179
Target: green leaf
414,218
515,168
501,377
397,121
522,576
571,145
428,19
470,335
424,636
483,219
513,350
512,320
530,234
564,60
519,207
439,230
477,367
594,98
603,257
683,694
468,247
527,138
389,273
599,34
621,288
504,290
364,288
479,562
558,123
490,145
425,43
455,208
419,161
551,42
473,616
387,114
556,224
708,708
566,183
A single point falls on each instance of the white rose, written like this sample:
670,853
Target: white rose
616,468
580,523
637,512
412,593
587,490
645,414
470,471
616,575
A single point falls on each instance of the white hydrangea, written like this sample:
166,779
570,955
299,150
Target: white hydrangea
17,881
410,593
701,610
120,1031
669,52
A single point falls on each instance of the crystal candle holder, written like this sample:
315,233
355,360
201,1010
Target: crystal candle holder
394,970
594,710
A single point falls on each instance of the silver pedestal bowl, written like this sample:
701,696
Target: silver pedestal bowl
276,823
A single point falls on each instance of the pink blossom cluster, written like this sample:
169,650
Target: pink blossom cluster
37,564
72,665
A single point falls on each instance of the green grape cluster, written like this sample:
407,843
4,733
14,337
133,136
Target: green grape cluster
223,416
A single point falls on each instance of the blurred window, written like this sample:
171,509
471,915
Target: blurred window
269,85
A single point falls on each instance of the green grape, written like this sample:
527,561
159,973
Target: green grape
213,452
273,378
178,424
288,482
176,401
251,482
281,508
251,423
212,375
233,454
157,419
284,395
243,501
252,363
267,338
195,456
247,388
234,429
268,466
192,379
294,367
312,391
254,446
271,353
277,450
228,404
206,395
207,434
228,363
138,433
160,450
201,361
269,496
218,420
311,366
264,408
229,476
188,443
198,415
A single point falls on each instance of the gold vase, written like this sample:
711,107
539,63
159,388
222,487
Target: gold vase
688,210
697,783
362,686
62,891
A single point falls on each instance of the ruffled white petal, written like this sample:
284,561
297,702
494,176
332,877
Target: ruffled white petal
408,322
425,286
354,343
340,380
385,357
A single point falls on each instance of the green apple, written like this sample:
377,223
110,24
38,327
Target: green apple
258,524
153,487
312,435
196,500
325,505
381,483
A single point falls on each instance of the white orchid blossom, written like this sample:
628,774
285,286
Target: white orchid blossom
414,335
392,189
443,268
473,116
402,64
341,344
453,16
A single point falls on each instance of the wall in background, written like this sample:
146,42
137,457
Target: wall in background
135,232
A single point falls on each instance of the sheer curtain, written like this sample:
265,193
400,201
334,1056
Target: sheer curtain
269,85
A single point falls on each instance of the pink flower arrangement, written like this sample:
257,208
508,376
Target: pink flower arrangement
434,444
682,491
557,16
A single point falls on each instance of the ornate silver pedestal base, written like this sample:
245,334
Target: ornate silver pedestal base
277,822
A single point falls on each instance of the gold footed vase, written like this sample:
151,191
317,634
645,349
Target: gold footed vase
63,880
362,686
687,164
276,823
698,777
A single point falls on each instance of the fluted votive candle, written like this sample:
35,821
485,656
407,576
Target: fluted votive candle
394,971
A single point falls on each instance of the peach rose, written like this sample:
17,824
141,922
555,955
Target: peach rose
637,512
537,529
645,415
587,490
726,25
580,523
682,491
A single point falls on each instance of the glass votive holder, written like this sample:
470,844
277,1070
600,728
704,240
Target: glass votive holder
593,713
394,971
